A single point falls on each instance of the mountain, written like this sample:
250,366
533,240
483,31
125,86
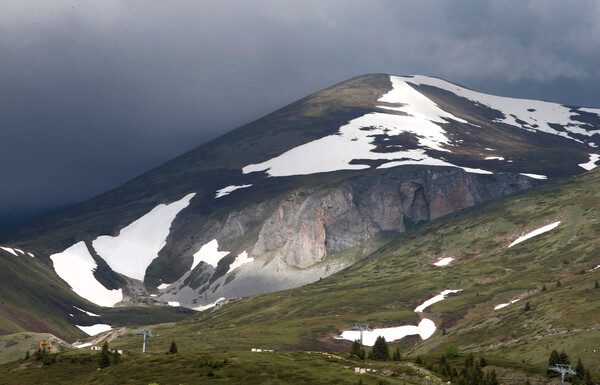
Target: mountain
302,193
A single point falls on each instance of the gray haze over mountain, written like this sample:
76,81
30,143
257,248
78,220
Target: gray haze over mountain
94,93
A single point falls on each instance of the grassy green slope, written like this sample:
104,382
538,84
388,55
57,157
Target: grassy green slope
384,289
212,367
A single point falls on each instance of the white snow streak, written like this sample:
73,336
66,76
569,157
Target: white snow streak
163,286
86,312
355,140
10,250
592,163
425,329
209,253
503,305
444,261
494,158
75,265
535,233
535,176
94,329
226,190
435,299
82,345
174,303
239,261
138,244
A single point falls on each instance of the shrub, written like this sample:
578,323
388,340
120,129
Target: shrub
451,350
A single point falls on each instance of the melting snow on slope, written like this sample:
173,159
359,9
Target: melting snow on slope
226,190
10,250
94,329
239,261
444,261
592,163
163,286
502,305
425,329
75,265
494,158
209,253
532,115
435,299
535,233
173,303
138,244
82,345
210,305
355,139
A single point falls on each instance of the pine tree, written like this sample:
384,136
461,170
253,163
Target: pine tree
558,284
597,285
380,351
492,378
356,348
563,358
544,287
116,358
483,362
580,370
527,307
397,356
552,361
27,355
104,356
173,348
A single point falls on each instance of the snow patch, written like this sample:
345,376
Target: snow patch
425,329
355,140
226,190
209,253
210,305
86,312
535,176
592,163
94,329
31,255
435,299
138,244
503,305
9,250
76,266
534,233
173,303
239,261
82,345
531,115
494,158
163,286
444,261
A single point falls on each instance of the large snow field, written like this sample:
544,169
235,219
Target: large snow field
534,233
425,329
94,329
138,244
76,266
536,115
355,140
437,298
209,253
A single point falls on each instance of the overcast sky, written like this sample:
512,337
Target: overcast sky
95,92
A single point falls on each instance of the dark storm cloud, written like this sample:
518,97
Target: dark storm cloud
94,93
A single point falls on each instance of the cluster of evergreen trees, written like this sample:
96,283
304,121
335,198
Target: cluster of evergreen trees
379,352
583,376
107,357
471,371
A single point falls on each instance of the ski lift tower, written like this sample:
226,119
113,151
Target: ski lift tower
562,369
145,333
362,328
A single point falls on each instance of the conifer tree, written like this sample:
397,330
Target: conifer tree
397,356
380,351
597,285
104,356
357,349
173,348
552,361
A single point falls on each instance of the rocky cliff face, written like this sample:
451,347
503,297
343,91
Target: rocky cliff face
290,238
